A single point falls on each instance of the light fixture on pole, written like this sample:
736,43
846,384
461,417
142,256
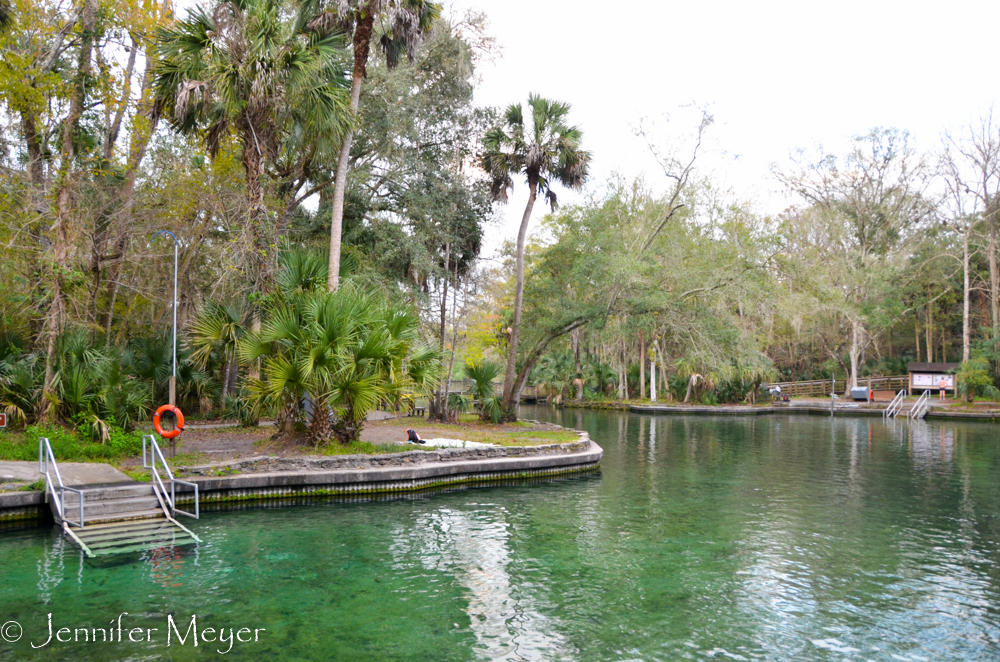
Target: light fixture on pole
173,375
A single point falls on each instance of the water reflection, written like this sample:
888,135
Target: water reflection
771,538
474,547
931,447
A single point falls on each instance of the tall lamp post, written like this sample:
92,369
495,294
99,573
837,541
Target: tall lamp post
173,376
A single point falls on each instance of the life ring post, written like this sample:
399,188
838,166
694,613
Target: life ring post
170,435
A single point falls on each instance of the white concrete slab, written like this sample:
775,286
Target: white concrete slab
73,473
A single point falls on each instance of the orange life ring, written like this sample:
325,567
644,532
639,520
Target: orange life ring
178,427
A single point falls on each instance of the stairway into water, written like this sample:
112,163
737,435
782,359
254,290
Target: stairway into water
122,517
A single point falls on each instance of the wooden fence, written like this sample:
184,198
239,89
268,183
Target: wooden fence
464,386
816,387
823,387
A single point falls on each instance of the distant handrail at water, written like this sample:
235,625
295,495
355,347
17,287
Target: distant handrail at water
895,406
921,407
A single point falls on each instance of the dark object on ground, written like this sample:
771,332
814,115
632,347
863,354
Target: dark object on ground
859,393
413,437
883,396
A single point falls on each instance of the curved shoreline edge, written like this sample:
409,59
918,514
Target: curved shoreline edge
360,474
784,409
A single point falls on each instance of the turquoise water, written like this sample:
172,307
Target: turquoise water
768,538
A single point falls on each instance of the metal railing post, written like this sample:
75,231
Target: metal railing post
155,454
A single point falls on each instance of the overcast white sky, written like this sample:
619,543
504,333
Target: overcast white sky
776,74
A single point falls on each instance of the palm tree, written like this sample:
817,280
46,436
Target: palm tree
6,15
482,374
219,327
262,70
405,22
555,372
545,151
345,350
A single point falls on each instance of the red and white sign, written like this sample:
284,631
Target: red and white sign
3,420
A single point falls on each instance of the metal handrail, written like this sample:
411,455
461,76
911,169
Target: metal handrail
921,407
171,500
895,406
57,489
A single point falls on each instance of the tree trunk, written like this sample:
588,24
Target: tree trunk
454,346
442,406
966,327
509,404
692,384
99,254
992,204
916,333
138,143
652,379
529,361
578,380
257,260
36,166
622,388
856,329
930,330
362,47
642,366
664,385
60,230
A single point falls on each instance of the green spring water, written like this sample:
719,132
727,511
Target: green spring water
751,538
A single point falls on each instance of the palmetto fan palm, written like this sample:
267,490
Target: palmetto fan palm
20,385
556,372
482,374
345,350
219,327
545,150
263,71
6,15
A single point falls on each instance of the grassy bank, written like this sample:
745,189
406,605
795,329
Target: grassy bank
470,428
68,445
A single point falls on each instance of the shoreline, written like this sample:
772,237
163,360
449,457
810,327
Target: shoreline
991,415
262,478
758,410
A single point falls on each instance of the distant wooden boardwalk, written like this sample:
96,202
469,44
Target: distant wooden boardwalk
827,386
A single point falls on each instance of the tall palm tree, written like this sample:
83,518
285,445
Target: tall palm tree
264,71
404,23
545,150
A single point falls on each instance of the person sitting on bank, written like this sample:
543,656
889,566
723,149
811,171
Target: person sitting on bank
413,437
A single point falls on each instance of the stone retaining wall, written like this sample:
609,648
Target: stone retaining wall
268,477
393,472
22,505
265,464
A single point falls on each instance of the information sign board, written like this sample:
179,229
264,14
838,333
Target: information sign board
923,380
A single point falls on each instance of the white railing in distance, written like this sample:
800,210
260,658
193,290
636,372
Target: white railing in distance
56,489
895,406
156,456
921,407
